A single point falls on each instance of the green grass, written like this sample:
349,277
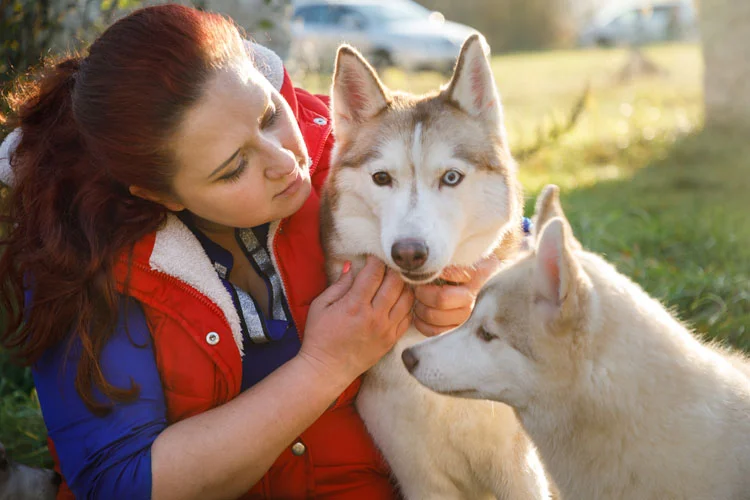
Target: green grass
22,429
679,227
641,183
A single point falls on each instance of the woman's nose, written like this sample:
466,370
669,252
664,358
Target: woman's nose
279,162
282,155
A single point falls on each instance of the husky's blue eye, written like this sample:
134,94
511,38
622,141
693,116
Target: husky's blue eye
382,178
451,178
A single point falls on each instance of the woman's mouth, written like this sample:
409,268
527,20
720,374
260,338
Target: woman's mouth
293,186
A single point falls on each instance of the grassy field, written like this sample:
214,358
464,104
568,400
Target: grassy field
666,202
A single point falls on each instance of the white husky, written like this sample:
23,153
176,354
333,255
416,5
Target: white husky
423,183
620,399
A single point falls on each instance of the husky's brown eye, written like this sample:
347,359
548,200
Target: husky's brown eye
382,178
483,334
451,178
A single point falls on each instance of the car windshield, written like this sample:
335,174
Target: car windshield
391,13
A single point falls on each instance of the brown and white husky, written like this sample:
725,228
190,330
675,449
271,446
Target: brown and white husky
424,183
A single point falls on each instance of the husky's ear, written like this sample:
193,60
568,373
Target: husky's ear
472,86
557,274
358,94
548,207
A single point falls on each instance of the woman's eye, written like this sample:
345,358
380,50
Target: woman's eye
451,178
270,118
235,174
483,334
382,178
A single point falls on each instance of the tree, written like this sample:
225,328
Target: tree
725,31
30,29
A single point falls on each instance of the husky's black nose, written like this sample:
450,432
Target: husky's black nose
410,253
410,360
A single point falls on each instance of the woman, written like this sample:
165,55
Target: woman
164,243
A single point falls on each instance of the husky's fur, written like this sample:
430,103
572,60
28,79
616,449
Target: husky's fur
620,399
437,447
21,482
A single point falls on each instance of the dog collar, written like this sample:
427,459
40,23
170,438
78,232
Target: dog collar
526,225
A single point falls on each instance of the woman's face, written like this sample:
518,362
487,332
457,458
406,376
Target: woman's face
240,154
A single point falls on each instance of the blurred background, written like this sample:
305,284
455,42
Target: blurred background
639,110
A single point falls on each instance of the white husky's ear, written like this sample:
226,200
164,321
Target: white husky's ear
472,86
548,207
358,94
557,274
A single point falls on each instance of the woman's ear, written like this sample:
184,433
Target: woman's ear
169,202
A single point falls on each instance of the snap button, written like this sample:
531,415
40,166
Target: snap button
298,449
212,338
319,120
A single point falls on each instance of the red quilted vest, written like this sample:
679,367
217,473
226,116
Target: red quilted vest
340,460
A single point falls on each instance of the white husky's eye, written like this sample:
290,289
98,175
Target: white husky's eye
451,178
483,334
382,178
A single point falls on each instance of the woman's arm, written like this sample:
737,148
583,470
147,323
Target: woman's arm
223,452
110,456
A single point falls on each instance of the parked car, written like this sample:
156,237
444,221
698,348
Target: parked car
642,23
398,33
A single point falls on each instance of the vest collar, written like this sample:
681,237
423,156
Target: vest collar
179,254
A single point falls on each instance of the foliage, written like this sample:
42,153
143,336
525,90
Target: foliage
30,29
22,429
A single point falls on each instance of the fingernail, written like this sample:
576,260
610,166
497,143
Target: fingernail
347,266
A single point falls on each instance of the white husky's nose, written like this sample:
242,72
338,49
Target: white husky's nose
410,359
410,253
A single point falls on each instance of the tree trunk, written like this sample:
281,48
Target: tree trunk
725,31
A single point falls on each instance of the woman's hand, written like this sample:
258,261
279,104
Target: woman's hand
354,322
440,308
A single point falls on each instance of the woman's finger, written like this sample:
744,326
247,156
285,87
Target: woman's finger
444,297
442,317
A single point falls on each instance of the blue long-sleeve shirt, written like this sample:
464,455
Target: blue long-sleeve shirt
105,457
109,457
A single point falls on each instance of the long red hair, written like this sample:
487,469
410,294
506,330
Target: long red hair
91,128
